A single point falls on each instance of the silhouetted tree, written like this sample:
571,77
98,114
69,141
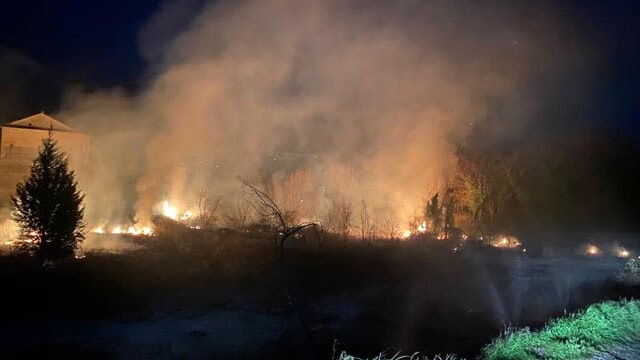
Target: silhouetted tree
433,213
367,226
391,226
284,223
239,215
338,218
208,209
449,211
48,206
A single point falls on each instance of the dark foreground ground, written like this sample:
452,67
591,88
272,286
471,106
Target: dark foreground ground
215,298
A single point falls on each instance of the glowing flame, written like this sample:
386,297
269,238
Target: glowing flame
406,234
422,228
592,250
623,253
506,242
187,215
130,230
169,210
98,230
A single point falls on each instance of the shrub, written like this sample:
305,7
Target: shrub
577,336
630,274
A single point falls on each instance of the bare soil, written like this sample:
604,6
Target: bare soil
230,298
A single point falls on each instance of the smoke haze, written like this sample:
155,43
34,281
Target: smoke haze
367,98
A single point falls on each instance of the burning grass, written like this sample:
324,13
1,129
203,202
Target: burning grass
165,209
599,328
592,250
505,242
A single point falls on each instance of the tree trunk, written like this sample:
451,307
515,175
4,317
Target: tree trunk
282,239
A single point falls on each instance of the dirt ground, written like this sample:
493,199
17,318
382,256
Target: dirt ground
230,298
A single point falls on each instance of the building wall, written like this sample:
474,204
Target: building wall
17,141
19,147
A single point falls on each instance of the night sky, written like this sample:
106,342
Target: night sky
95,45
85,41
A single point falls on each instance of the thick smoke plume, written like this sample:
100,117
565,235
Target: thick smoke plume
364,98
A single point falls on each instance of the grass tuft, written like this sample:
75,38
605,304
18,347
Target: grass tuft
580,335
397,356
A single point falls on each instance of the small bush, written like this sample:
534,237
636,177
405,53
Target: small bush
398,356
577,336
630,274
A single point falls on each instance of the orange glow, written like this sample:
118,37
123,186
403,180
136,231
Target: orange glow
169,210
506,242
121,229
622,253
98,230
592,250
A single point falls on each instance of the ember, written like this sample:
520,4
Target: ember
505,242
592,250
622,252
97,230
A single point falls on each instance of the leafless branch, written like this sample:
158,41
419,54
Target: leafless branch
269,210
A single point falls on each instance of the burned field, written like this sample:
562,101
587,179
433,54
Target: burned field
223,295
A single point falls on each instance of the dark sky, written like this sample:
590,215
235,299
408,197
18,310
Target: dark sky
615,26
89,41
94,44
54,44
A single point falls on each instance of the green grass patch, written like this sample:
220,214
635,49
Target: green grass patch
397,356
581,335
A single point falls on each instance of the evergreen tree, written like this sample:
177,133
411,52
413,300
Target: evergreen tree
48,207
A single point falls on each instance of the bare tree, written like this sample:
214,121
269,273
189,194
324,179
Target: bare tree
390,226
321,233
283,222
295,193
338,218
415,220
367,227
208,208
344,219
239,216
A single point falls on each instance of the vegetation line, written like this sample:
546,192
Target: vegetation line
581,335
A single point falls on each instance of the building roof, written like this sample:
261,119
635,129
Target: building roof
39,121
